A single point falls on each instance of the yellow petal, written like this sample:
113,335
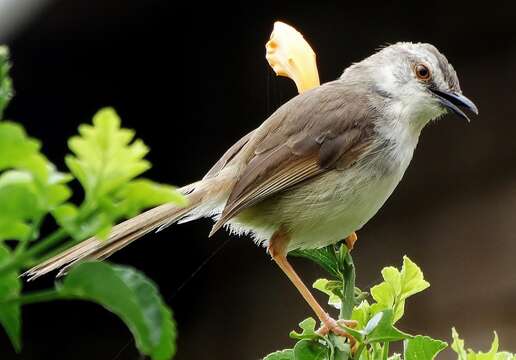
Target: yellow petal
290,55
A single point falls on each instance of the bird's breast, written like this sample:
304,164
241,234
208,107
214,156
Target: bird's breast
329,207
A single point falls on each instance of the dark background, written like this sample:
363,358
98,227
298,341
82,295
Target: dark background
191,78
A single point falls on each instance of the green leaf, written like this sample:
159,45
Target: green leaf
25,199
106,161
397,287
332,288
13,229
143,193
54,191
504,355
6,91
167,345
287,354
310,350
10,312
490,355
493,354
16,148
458,345
412,279
18,195
30,186
361,314
65,215
422,348
381,329
373,323
20,204
105,155
308,327
325,257
132,297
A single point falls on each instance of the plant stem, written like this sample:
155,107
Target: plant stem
361,348
22,245
18,260
36,297
385,350
348,299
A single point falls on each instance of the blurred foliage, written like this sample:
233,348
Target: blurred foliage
493,353
127,293
376,318
106,162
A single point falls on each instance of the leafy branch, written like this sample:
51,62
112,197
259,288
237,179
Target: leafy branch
376,318
106,161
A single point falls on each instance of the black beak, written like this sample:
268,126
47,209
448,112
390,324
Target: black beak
452,101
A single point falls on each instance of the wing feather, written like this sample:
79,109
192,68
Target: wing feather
313,133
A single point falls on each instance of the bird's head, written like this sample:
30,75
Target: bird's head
415,81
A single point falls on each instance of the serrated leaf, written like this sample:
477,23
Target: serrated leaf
308,327
412,279
10,312
310,350
458,345
422,348
287,354
397,287
132,297
106,161
105,155
459,348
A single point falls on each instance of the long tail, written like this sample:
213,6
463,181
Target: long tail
128,231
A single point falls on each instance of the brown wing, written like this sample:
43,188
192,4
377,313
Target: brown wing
228,156
314,132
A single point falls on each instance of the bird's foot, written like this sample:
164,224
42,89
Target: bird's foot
336,326
351,240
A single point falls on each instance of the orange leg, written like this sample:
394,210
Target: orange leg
351,240
277,249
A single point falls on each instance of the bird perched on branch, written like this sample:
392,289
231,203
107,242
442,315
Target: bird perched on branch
317,169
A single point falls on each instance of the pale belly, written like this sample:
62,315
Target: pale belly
322,211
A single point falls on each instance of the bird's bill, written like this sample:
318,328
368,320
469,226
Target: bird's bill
454,101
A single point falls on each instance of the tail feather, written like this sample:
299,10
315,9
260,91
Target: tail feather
121,235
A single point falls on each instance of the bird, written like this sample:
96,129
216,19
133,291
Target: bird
314,172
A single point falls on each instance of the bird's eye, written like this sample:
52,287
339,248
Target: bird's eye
422,72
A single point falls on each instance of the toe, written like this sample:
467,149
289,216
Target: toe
348,323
